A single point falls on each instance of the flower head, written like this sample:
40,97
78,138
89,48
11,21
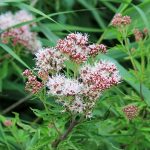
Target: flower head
49,60
78,94
6,20
99,77
94,49
76,46
7,123
119,20
32,85
23,16
60,85
138,34
145,31
77,106
21,35
130,111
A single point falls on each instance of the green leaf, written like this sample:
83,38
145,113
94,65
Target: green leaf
129,79
55,27
17,68
123,6
4,70
47,32
32,142
3,73
2,134
13,86
12,1
29,7
13,54
143,15
110,6
95,13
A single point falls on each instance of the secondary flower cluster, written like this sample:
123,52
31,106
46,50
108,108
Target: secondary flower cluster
59,85
77,48
139,35
99,77
78,94
21,35
32,85
130,111
8,123
120,20
49,60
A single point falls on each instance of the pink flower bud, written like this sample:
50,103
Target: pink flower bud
7,123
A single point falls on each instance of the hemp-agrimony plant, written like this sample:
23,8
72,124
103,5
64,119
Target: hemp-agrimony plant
21,36
70,74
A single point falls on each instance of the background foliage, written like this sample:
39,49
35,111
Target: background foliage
109,128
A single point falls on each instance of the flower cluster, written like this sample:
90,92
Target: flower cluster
84,94
77,106
94,49
78,94
49,60
8,123
99,77
130,111
120,20
32,85
60,85
21,35
77,48
139,35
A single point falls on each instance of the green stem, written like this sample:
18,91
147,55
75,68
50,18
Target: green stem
66,133
142,68
126,46
16,138
133,63
4,136
76,66
43,100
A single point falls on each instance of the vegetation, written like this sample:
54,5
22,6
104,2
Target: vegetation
60,91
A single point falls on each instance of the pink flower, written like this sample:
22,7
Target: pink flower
99,77
21,35
130,111
74,45
119,20
32,85
138,35
77,95
77,106
49,60
7,123
77,48
59,85
94,49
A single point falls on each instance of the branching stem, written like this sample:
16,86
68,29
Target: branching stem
66,133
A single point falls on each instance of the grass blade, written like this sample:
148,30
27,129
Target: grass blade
47,32
29,7
143,16
95,13
129,79
13,54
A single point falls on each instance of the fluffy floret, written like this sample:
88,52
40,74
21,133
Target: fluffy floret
60,85
21,35
49,60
